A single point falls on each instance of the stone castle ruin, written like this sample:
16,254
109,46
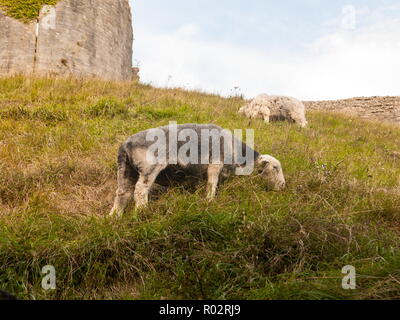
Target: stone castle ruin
84,38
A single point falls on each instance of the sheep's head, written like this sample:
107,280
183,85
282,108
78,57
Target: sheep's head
271,170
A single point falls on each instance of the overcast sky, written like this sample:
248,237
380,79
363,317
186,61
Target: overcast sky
309,49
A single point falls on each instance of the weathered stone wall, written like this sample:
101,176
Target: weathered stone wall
75,37
17,46
385,109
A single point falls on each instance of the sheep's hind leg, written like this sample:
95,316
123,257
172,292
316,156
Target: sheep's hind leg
126,184
144,185
214,170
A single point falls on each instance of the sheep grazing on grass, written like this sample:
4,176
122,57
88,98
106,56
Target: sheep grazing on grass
174,153
276,108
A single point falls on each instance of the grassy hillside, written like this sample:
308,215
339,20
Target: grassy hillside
58,145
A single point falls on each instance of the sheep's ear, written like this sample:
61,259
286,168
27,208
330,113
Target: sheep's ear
261,166
262,162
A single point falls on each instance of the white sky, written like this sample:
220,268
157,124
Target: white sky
309,49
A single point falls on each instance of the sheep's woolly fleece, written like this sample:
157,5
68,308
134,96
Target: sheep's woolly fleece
276,108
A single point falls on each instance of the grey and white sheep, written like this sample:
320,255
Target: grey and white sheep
188,149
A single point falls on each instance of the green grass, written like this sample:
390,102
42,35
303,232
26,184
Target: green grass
24,10
58,146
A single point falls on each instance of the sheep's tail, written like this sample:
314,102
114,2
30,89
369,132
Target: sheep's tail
125,163
123,158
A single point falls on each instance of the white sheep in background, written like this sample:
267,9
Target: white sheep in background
276,108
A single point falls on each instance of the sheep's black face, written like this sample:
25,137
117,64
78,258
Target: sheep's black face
271,170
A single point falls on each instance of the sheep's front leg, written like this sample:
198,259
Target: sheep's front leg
144,185
214,171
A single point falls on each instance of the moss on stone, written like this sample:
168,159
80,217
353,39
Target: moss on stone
24,10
